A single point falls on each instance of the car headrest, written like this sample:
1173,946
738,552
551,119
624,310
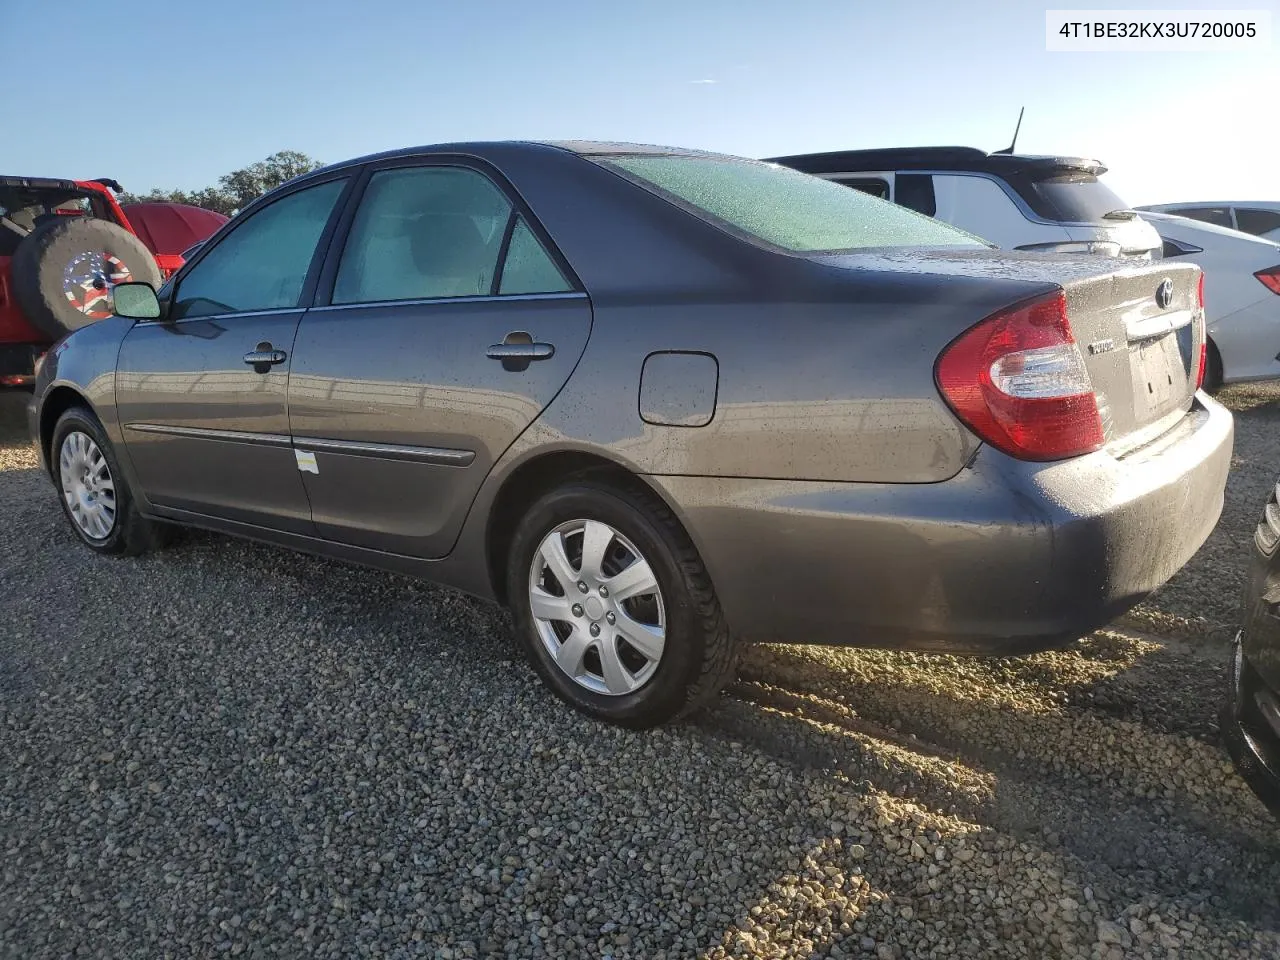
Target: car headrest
446,244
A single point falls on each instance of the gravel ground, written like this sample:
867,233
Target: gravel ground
230,749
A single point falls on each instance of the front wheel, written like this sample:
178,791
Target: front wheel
614,607
94,494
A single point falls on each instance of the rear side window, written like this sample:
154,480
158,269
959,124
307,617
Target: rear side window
429,233
262,264
1218,216
528,268
423,233
1257,222
1069,197
782,207
915,192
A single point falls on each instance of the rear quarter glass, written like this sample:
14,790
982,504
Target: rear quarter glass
783,208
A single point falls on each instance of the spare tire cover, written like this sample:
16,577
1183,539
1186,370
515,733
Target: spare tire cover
64,270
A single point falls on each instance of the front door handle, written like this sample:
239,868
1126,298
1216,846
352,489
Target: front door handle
264,357
518,349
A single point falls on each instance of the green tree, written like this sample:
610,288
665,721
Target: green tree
237,189
244,186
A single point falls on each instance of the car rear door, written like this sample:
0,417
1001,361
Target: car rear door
445,324
203,393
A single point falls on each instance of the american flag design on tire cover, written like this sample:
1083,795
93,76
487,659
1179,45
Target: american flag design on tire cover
88,279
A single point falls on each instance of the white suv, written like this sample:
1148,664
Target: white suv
1016,202
1260,218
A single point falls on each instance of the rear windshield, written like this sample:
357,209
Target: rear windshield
1071,197
785,208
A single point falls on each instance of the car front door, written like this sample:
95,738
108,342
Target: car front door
203,393
450,325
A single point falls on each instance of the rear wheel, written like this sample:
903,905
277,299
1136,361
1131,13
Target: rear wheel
94,493
615,608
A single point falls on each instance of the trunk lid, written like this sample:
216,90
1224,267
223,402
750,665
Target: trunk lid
1141,332
1139,324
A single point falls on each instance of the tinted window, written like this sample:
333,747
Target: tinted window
872,185
783,207
1256,221
528,268
423,233
1177,248
915,191
1069,197
263,263
1219,216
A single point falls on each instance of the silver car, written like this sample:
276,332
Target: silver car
659,403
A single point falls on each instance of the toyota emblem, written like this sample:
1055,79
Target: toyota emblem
1164,294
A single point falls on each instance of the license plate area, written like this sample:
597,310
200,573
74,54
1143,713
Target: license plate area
1159,376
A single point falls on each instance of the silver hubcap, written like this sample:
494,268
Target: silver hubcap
87,487
597,607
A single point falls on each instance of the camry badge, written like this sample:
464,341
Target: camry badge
1164,294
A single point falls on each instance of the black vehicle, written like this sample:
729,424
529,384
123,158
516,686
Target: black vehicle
1251,720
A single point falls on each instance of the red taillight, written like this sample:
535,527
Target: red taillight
1270,278
1018,381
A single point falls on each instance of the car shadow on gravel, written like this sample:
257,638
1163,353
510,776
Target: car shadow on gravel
333,714
1139,806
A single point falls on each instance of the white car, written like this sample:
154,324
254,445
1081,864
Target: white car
1241,295
1016,201
1258,217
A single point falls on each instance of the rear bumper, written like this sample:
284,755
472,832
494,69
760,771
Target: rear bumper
1006,557
1252,741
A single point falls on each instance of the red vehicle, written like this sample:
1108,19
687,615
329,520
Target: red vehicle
64,244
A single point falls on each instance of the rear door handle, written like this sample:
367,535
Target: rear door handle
264,357
518,349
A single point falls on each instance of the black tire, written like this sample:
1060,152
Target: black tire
1212,370
699,655
65,256
130,533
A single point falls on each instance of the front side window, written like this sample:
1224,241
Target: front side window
423,233
783,207
262,264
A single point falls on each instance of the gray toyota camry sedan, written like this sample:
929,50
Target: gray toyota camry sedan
658,402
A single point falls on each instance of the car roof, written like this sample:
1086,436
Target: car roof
935,158
38,183
1196,204
1158,218
485,148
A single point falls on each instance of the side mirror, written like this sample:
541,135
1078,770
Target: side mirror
135,301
